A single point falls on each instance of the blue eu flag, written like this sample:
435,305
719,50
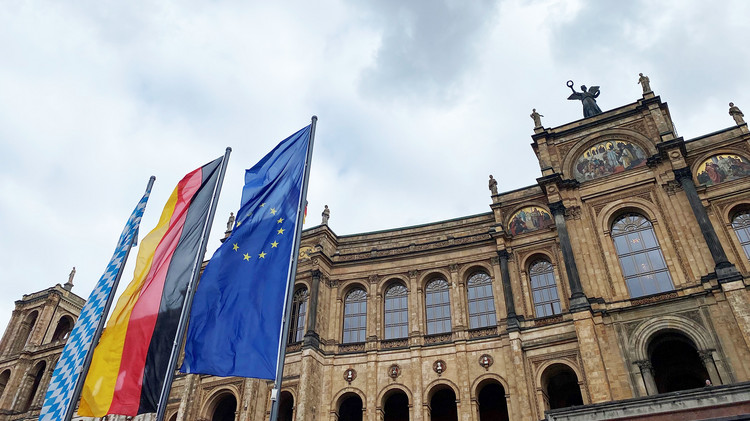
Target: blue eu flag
237,311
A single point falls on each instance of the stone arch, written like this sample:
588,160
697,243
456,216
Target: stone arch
172,417
729,212
557,387
287,405
612,134
494,409
4,378
508,217
215,397
438,384
63,328
700,159
24,332
349,286
645,332
488,377
434,274
466,272
526,260
570,364
345,393
390,389
609,214
390,280
31,386
737,240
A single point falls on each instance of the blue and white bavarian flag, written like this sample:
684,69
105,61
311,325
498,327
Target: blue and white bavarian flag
68,370
238,307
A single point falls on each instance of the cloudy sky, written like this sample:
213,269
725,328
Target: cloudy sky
418,101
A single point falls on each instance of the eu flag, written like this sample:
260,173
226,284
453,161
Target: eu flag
237,311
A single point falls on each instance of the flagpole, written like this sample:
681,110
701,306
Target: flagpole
166,388
291,277
100,327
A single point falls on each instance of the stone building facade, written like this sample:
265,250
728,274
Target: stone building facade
30,347
620,277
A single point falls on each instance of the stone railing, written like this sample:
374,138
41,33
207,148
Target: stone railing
438,339
394,343
356,347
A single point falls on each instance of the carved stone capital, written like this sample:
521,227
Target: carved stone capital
557,208
707,356
453,267
645,365
373,279
683,173
413,273
503,254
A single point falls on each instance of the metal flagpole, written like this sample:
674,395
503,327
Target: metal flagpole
98,332
188,302
291,276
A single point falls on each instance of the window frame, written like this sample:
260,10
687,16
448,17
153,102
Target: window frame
359,330
396,293
543,284
437,288
487,314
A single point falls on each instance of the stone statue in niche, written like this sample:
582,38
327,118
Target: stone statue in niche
587,98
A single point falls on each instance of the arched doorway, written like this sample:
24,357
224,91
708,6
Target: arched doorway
560,384
491,402
225,408
676,363
35,378
396,406
25,331
443,405
286,407
350,408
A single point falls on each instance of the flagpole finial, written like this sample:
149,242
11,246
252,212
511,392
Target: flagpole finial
229,149
152,178
314,118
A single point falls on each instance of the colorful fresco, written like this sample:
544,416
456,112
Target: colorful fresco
529,219
720,168
610,157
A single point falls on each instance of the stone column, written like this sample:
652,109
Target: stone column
725,270
647,373
707,359
312,339
510,305
578,300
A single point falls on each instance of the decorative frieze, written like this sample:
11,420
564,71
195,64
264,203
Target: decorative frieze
374,253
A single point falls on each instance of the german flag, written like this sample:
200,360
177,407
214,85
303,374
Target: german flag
131,360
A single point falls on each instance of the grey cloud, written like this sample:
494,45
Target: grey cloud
426,47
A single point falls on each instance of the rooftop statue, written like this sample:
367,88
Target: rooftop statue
587,98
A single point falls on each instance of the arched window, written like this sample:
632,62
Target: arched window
544,289
438,307
64,326
396,312
4,377
481,303
34,379
640,256
355,316
299,315
741,225
24,333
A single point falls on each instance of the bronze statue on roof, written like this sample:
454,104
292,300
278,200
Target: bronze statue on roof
587,98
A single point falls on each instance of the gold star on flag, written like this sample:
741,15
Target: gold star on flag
280,220
273,211
235,247
262,255
262,204
280,231
246,256
274,244
239,223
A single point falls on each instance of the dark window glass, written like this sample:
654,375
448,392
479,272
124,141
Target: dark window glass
741,225
544,289
640,256
438,307
396,312
299,315
355,316
481,303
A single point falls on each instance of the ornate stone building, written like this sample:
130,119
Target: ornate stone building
30,347
618,285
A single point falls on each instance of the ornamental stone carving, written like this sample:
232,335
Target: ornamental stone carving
439,367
